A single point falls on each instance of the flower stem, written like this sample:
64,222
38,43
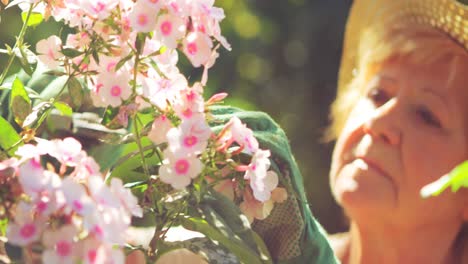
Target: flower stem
18,43
140,147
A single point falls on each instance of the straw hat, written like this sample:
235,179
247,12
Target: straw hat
450,16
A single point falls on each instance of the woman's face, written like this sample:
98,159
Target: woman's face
405,132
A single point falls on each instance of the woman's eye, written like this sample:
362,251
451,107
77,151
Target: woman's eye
428,117
378,96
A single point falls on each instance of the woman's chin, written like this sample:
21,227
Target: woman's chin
364,191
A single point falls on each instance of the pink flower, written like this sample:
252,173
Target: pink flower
190,137
168,63
99,9
66,151
197,48
262,188
78,40
60,245
101,193
179,169
96,252
115,87
170,28
236,131
108,224
155,4
34,179
126,198
159,129
86,167
76,197
25,229
107,65
49,51
151,45
29,151
261,181
45,203
211,61
190,104
161,91
143,17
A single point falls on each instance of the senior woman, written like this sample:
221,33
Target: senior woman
401,122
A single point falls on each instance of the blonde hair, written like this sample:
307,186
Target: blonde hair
415,44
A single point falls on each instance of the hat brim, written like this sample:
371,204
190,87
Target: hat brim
449,16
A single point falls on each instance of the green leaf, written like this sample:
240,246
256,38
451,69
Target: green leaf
71,53
3,226
131,185
20,103
17,89
26,59
76,92
9,137
95,56
123,61
244,253
34,19
228,213
109,115
63,108
140,42
55,73
456,179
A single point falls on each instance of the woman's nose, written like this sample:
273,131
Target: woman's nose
384,123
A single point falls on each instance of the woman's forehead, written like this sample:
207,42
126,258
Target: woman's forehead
448,67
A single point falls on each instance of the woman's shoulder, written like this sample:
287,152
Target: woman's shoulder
339,242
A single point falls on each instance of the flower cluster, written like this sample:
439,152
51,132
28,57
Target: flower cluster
66,207
111,33
123,57
262,191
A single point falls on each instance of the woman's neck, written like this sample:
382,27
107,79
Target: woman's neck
386,245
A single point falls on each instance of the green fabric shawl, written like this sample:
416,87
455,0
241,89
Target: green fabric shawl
291,232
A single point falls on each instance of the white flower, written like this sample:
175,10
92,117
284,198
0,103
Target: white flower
143,17
159,129
179,169
99,9
60,246
169,29
190,137
243,135
126,198
25,229
261,181
197,47
76,197
115,87
161,91
49,51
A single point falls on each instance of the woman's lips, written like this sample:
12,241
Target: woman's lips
365,163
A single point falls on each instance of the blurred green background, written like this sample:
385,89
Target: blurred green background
284,61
